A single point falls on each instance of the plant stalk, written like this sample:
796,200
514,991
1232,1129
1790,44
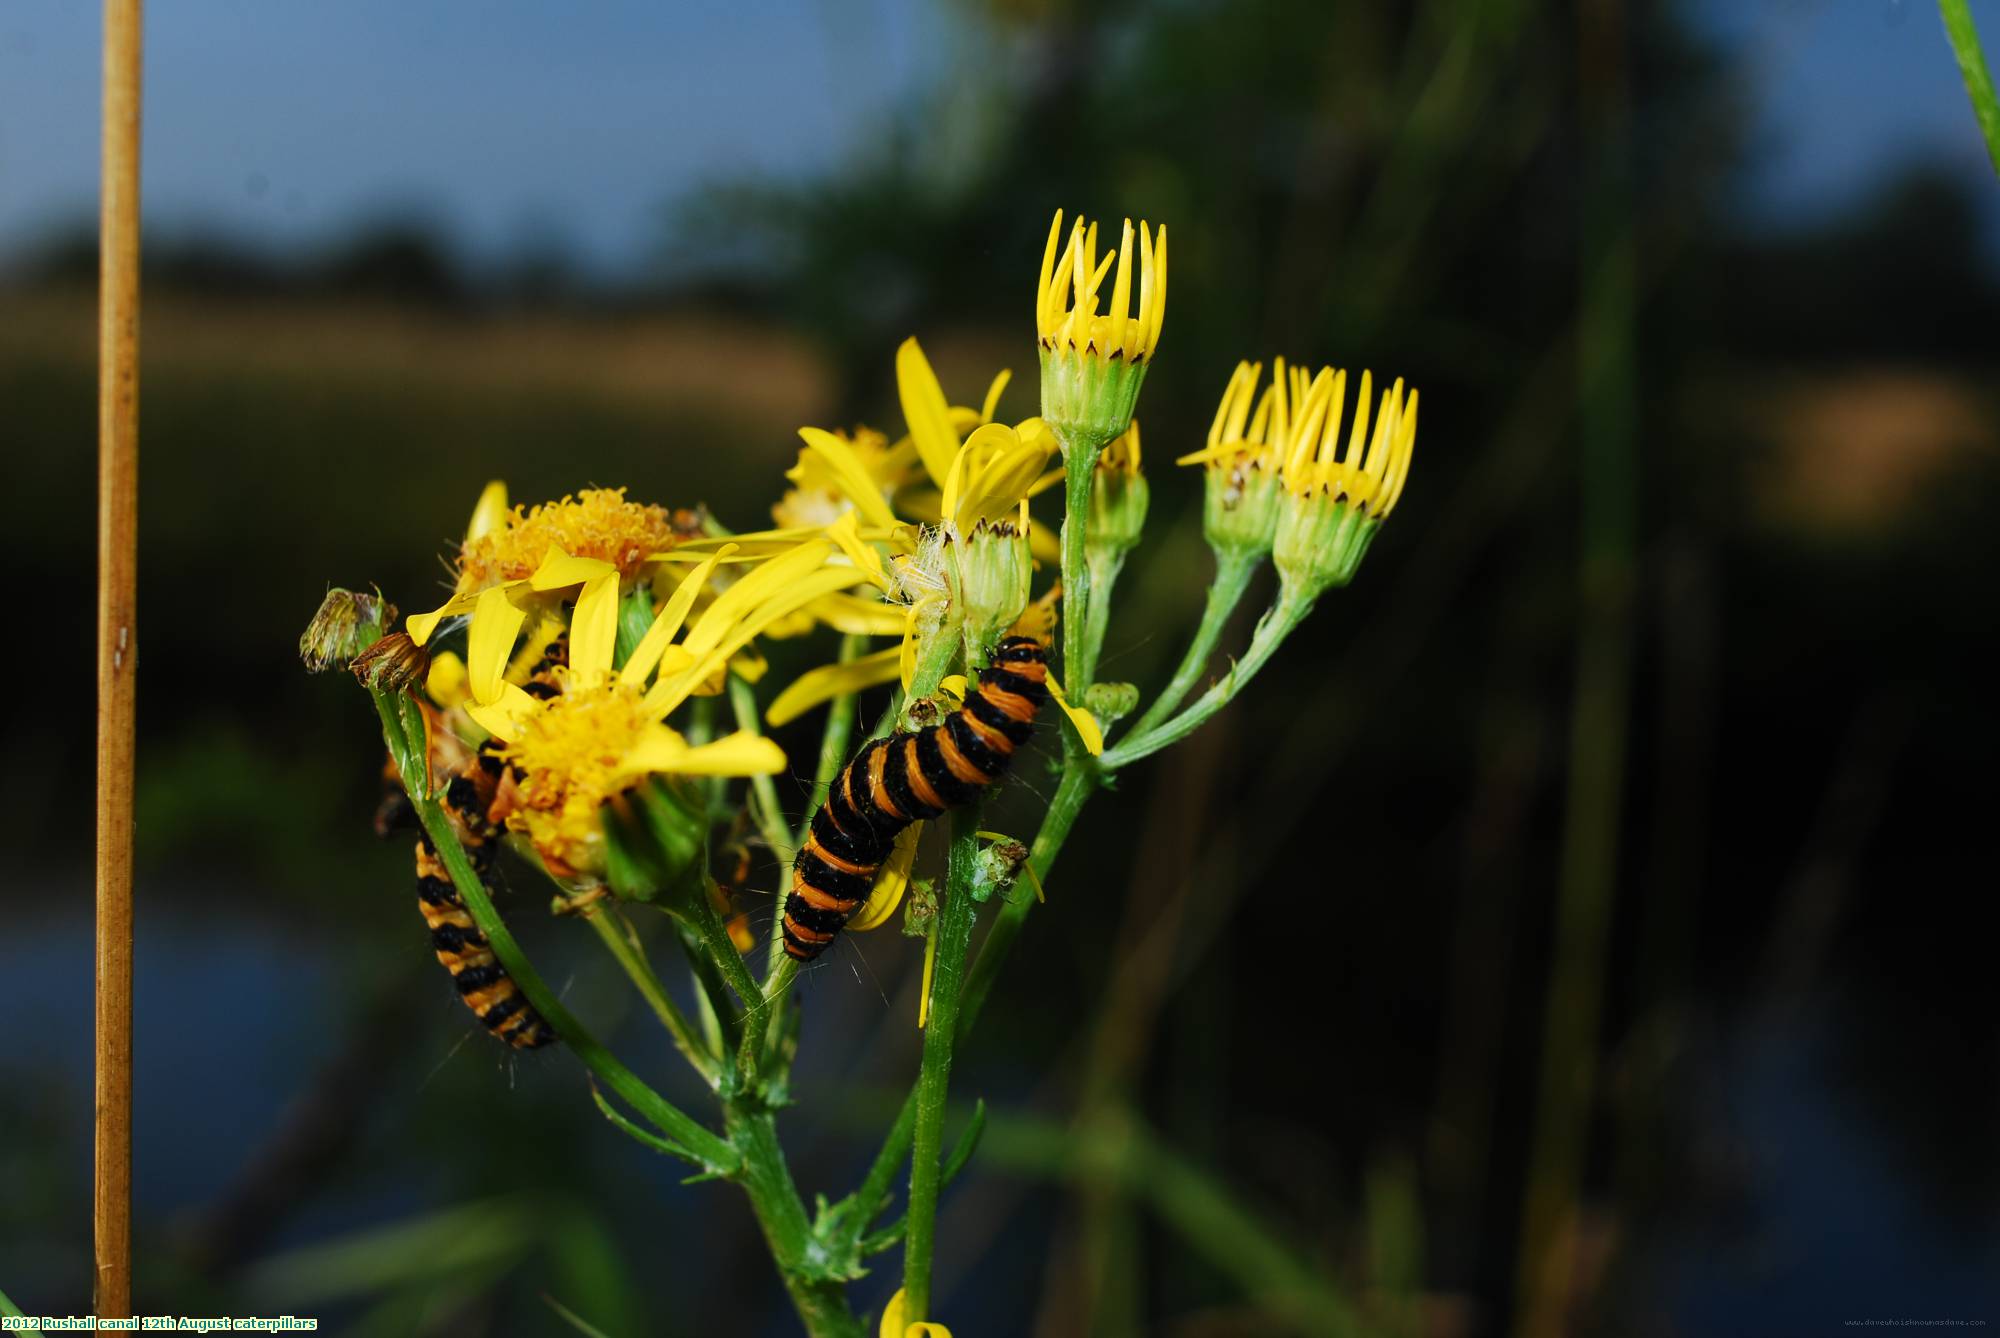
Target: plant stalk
1080,466
1232,577
1958,26
716,1154
954,939
820,1301
616,933
1278,622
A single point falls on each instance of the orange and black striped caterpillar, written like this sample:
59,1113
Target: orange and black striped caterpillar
905,778
483,984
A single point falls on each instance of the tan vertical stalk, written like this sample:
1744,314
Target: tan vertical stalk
117,570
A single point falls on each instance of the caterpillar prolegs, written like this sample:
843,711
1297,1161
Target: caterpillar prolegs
905,778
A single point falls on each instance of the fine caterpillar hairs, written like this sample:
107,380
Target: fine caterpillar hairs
483,984
904,778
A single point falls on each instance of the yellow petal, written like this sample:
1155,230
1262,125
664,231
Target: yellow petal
993,394
666,694
489,512
749,666
758,585
1086,724
593,629
560,570
751,547
792,625
890,884
953,685
672,614
446,680
833,680
846,533
421,625
925,409
496,621
855,480
738,754
502,719
863,615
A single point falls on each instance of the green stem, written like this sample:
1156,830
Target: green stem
1104,569
1277,623
954,938
1964,37
12,1311
820,1301
718,1016
769,817
931,669
716,1154
1080,470
616,932
1078,784
779,969
1232,577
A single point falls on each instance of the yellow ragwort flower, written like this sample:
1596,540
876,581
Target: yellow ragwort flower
510,552
1244,458
1066,315
1093,362
1335,501
507,545
604,729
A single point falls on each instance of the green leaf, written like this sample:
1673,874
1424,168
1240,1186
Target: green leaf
653,1141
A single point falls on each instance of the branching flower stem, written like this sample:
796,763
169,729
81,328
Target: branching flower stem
1277,623
954,938
715,1154
616,932
1233,572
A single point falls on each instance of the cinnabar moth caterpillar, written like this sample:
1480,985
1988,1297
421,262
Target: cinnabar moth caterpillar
482,982
905,778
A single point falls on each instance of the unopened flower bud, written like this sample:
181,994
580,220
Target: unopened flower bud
393,664
1093,362
1334,503
1240,506
348,622
994,571
1118,497
1110,702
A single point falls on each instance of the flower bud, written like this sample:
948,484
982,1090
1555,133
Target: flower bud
347,623
1240,507
393,664
1334,503
1093,363
994,570
1118,497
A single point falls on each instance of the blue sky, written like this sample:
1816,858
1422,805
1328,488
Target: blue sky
282,123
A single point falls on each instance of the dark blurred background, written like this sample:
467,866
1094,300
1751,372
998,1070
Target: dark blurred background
1574,932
